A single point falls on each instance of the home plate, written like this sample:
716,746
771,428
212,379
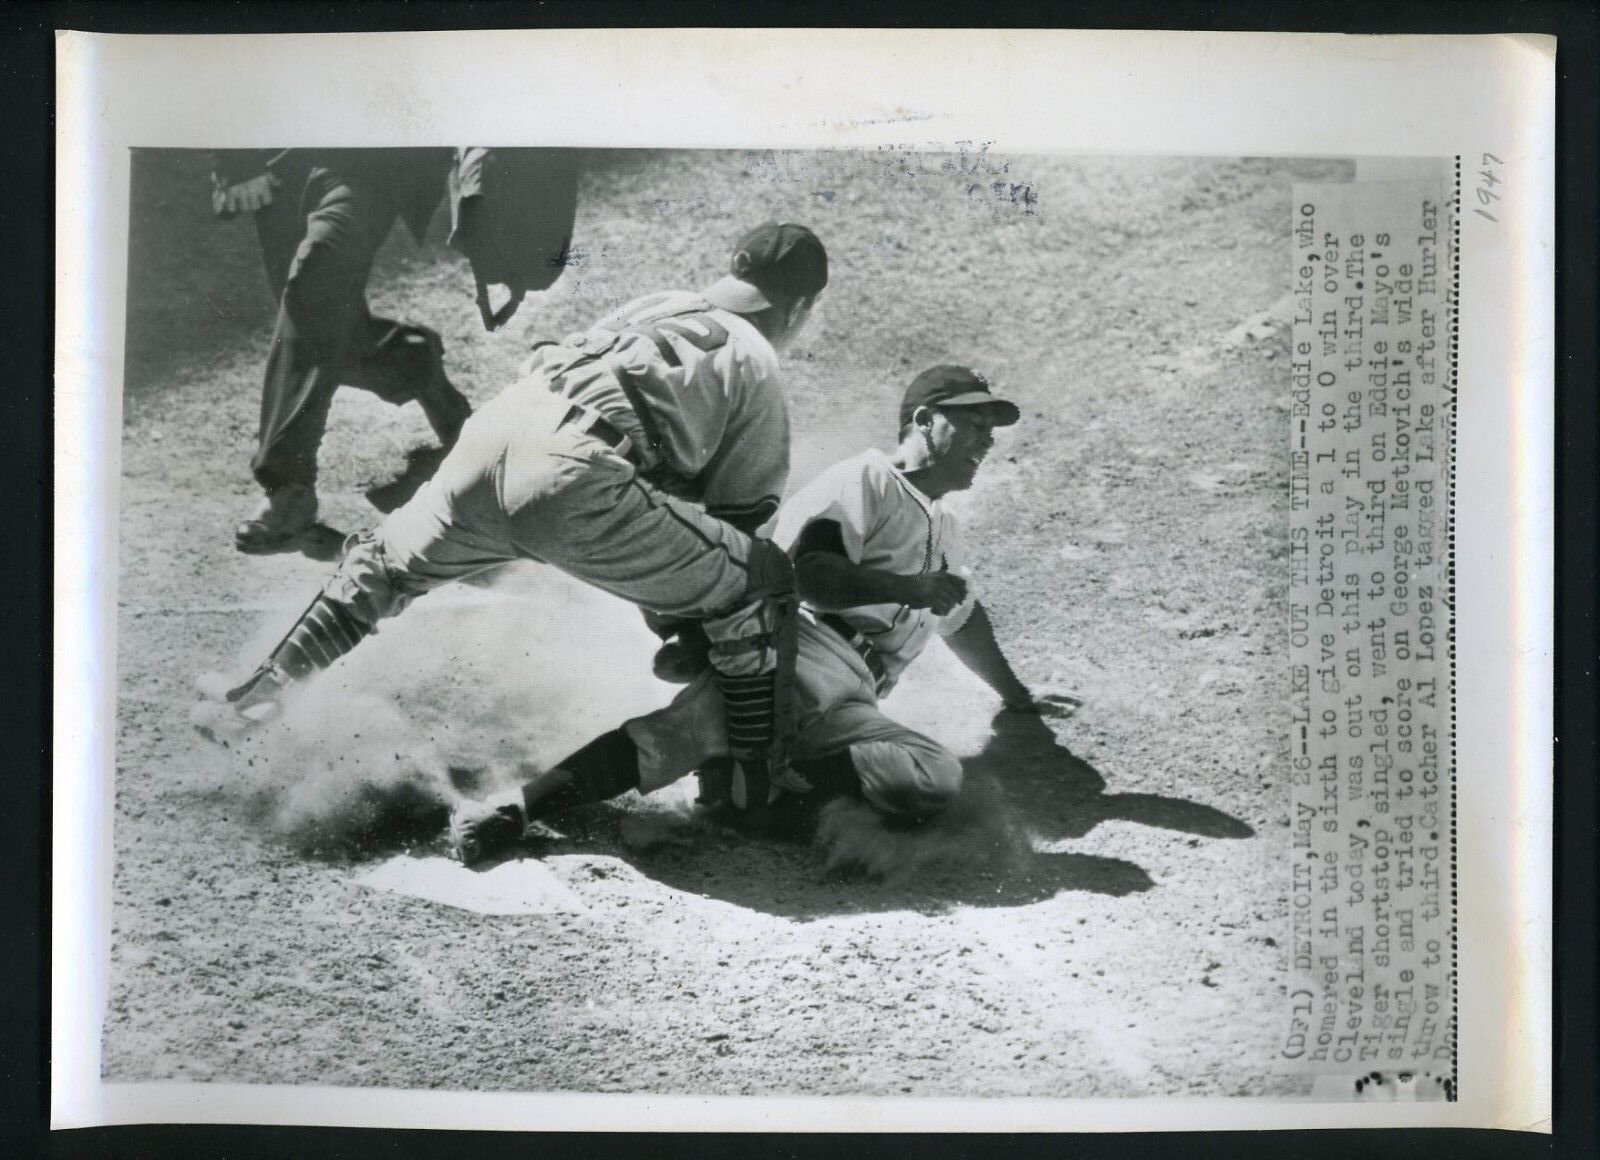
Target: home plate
524,886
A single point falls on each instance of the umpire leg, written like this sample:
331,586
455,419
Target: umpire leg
325,336
279,228
321,316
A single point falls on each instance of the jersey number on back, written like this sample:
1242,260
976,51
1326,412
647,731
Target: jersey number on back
701,330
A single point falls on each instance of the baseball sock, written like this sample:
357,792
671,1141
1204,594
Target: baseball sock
323,634
832,775
603,769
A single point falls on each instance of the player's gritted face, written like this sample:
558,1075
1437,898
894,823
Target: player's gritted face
959,439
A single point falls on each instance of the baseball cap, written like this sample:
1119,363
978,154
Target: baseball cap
774,258
953,386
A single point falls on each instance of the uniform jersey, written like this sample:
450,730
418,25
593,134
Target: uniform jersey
695,388
887,524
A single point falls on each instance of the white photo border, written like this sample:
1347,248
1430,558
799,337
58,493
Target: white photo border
1092,92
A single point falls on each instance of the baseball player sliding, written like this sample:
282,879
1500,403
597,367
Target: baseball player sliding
639,456
878,562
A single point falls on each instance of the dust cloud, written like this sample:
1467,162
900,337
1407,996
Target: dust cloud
479,686
471,688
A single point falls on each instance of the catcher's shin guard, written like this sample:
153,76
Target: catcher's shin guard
325,631
752,657
748,704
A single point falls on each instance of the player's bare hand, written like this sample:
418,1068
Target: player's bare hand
245,197
1052,704
939,592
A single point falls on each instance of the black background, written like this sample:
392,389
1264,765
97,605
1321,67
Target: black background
26,320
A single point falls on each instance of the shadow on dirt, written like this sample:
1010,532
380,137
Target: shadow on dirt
788,880
421,463
1063,796
1024,789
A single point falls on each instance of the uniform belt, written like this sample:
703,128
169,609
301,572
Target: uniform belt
591,422
859,642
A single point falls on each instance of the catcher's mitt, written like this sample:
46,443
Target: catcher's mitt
684,657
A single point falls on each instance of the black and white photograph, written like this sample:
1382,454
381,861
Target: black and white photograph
910,619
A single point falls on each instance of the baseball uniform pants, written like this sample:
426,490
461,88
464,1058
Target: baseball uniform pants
902,772
523,484
318,255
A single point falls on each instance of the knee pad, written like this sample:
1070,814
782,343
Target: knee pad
364,582
747,640
745,643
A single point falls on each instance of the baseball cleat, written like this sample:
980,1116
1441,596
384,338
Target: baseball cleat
481,831
225,714
226,723
286,513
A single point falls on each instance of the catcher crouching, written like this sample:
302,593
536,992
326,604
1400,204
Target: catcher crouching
878,567
639,456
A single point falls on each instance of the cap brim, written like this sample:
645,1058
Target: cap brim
1005,411
737,295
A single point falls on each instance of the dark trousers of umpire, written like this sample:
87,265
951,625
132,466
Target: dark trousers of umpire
318,253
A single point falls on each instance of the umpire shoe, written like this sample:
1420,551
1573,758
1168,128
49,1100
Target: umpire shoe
286,513
446,408
488,830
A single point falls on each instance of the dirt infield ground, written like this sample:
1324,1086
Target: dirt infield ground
1103,915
